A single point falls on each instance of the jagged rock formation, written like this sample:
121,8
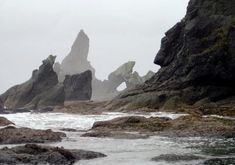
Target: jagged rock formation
124,74
73,88
76,62
35,89
43,89
196,58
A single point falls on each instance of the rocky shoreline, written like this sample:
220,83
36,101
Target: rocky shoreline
196,78
33,153
185,126
36,154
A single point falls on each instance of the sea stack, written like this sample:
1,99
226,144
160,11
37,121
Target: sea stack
43,89
77,60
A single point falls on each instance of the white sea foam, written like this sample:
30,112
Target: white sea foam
75,121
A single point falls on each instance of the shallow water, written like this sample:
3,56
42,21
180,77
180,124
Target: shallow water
118,151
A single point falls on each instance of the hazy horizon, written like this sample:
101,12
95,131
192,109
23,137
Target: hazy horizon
119,31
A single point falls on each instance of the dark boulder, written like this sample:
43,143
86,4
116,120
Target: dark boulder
35,154
176,158
220,161
78,86
13,135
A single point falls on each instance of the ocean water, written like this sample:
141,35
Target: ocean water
118,151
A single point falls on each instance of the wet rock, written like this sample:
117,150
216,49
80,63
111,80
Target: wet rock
78,87
133,123
219,149
36,154
115,134
220,161
131,127
5,122
191,125
69,130
184,126
13,135
82,107
45,110
176,158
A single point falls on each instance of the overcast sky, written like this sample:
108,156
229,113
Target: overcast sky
119,31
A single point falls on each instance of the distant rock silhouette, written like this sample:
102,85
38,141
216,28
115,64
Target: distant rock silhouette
43,89
76,62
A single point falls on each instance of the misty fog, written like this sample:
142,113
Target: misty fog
119,31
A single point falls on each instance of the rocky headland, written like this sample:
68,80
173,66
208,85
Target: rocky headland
196,59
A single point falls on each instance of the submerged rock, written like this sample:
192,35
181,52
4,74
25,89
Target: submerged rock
176,158
5,122
13,135
220,161
36,154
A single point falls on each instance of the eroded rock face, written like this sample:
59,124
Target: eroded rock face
35,89
36,154
78,87
196,57
107,89
197,54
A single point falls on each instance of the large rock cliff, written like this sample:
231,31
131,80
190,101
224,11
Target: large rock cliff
197,59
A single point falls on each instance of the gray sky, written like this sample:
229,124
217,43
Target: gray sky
119,31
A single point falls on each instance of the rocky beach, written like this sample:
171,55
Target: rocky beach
183,115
